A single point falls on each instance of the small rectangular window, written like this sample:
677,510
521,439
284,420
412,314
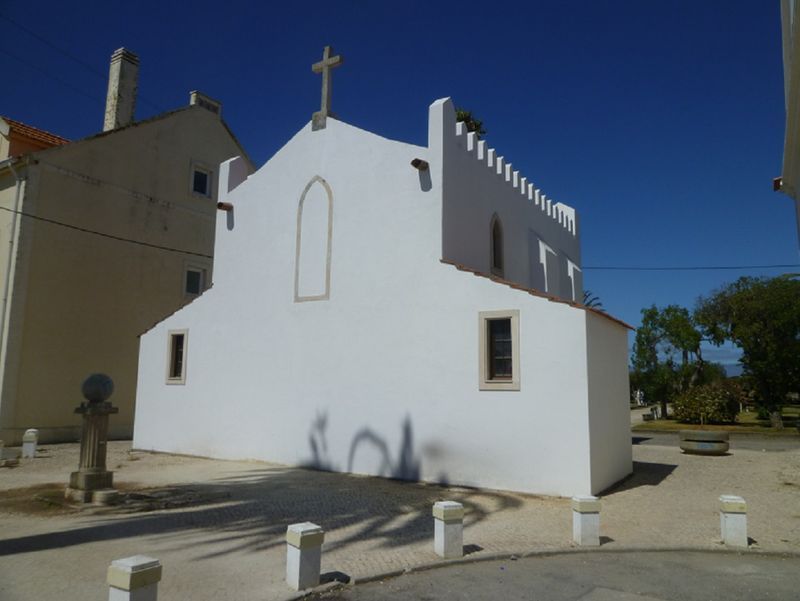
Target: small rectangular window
176,356
194,282
500,355
499,359
201,181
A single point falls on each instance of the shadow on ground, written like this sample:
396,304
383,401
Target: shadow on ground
644,474
250,511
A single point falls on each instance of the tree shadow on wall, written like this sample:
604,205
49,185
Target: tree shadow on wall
366,441
407,467
318,442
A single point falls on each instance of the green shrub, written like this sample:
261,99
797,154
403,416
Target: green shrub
710,404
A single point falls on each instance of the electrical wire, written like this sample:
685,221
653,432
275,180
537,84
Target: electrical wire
94,71
47,42
104,235
608,268
692,267
66,84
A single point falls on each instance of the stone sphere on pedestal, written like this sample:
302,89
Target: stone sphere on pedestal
97,388
93,482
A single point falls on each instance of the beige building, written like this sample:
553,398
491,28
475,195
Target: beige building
99,239
789,182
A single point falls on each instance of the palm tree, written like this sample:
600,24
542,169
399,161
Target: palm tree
592,300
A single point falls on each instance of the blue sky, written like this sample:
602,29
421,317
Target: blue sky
661,122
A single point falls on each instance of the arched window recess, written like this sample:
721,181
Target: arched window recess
496,246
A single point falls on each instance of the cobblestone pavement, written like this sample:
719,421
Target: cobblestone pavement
218,526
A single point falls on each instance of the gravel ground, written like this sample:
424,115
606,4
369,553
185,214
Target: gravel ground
218,526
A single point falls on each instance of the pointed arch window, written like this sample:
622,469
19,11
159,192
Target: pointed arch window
497,246
312,272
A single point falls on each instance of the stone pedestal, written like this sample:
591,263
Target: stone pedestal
134,579
733,520
448,529
586,521
303,555
93,482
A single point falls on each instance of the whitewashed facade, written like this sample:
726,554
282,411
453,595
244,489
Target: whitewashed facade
346,330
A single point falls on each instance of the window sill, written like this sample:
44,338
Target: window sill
499,385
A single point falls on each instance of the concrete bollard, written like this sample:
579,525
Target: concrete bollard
303,555
448,529
134,578
29,441
586,521
733,520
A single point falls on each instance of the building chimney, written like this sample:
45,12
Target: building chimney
207,102
123,79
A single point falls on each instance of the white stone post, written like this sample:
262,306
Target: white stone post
303,555
134,578
448,529
586,521
733,520
29,441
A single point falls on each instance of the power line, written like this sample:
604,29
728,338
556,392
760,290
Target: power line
66,84
104,235
205,256
47,42
90,179
693,267
94,71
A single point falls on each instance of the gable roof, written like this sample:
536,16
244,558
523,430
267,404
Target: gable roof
532,292
161,117
34,133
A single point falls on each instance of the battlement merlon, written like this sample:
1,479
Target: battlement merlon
445,135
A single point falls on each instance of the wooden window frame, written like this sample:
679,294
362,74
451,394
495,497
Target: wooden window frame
171,335
485,379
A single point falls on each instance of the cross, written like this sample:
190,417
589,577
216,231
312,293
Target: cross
324,66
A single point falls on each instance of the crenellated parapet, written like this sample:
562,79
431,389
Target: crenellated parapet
486,157
494,218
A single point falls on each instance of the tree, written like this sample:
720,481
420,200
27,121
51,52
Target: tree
667,357
472,123
592,300
762,317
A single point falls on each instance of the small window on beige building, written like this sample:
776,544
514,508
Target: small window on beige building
178,342
201,180
499,350
194,281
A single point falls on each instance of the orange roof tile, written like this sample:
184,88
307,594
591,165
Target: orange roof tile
533,292
35,133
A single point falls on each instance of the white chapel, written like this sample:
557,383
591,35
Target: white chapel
404,311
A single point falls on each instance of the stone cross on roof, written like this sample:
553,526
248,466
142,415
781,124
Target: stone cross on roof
328,62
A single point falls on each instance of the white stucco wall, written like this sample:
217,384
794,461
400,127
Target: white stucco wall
539,234
609,408
382,377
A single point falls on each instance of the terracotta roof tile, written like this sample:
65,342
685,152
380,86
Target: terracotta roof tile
533,292
35,133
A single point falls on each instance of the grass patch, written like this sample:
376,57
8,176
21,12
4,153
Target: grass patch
41,499
746,423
